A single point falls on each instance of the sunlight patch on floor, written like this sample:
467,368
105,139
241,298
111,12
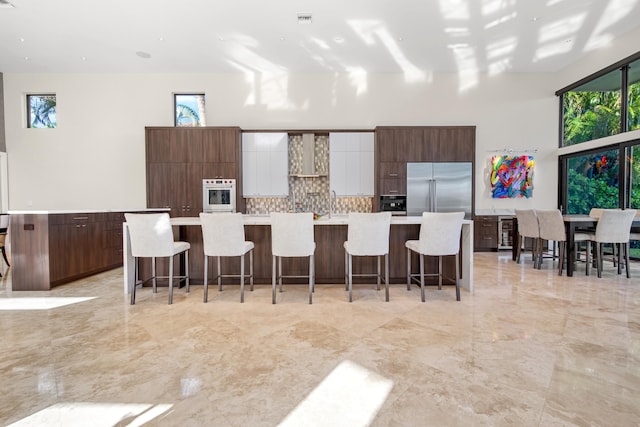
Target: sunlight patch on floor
349,396
94,414
39,303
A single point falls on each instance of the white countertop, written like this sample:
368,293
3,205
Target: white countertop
334,220
497,212
75,211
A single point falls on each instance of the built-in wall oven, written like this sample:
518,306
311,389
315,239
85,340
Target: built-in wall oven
219,195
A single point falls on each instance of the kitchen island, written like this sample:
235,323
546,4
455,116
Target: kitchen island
53,247
330,234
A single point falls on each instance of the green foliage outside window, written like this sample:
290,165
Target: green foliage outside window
590,115
592,182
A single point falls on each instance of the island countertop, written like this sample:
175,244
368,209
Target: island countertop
325,220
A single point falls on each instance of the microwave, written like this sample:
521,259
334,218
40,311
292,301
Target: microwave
219,195
395,204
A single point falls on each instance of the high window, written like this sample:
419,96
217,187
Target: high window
189,109
41,111
634,95
592,110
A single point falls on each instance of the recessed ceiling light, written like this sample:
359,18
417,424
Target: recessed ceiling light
143,55
26,58
534,19
21,39
221,38
282,38
338,39
84,58
305,18
400,38
161,38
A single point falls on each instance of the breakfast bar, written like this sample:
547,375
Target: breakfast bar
330,234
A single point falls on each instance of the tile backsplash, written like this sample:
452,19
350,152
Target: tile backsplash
310,194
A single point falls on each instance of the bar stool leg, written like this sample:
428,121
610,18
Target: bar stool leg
206,282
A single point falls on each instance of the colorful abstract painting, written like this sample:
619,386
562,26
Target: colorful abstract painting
512,176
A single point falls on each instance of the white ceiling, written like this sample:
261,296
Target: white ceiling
355,36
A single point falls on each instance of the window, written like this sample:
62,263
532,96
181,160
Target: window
634,96
592,181
592,110
41,111
189,109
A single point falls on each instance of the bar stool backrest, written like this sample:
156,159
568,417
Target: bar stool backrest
440,233
368,233
223,234
292,234
151,235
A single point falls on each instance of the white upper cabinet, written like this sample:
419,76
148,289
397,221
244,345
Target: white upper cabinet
351,163
265,164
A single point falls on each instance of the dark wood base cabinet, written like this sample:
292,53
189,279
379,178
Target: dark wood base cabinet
52,249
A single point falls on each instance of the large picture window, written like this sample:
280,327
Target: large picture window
41,111
592,181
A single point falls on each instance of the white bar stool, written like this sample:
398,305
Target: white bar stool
367,235
439,236
292,236
152,237
223,236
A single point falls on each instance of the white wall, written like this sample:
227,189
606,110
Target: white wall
95,158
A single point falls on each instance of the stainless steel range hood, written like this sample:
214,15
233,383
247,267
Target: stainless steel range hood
308,169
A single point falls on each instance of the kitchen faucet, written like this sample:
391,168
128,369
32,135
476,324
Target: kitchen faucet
332,197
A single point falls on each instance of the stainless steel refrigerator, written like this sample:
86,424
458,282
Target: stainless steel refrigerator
439,187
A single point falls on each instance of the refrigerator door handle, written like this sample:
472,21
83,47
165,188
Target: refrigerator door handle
434,196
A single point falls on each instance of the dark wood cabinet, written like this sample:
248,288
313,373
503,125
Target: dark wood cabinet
53,249
79,245
485,233
396,146
178,159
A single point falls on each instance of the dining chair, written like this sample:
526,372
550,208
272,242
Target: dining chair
528,227
614,227
223,236
4,226
439,236
151,236
367,235
292,236
551,227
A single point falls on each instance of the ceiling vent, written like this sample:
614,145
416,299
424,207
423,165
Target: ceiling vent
304,18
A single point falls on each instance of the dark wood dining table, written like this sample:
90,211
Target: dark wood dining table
572,224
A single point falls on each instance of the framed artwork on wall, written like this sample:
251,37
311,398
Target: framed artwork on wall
512,176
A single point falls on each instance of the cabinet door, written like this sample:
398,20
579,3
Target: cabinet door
66,257
338,172
351,163
249,173
221,145
456,144
367,173
265,164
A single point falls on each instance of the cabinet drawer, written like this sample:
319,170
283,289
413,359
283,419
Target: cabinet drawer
77,218
485,243
393,186
392,170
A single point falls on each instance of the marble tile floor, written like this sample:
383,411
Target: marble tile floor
528,348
